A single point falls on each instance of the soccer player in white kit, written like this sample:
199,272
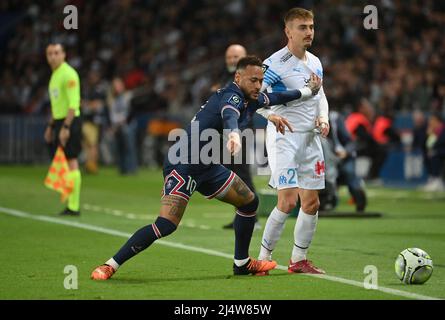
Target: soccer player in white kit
295,159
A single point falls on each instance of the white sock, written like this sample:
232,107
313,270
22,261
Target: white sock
240,263
113,263
272,233
303,234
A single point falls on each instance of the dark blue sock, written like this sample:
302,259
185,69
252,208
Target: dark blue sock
243,227
143,238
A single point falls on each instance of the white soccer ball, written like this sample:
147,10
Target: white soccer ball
414,266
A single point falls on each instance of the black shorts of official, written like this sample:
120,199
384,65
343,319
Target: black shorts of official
73,146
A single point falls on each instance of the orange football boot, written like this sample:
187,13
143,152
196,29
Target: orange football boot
102,272
254,267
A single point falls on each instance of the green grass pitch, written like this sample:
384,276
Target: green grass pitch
194,262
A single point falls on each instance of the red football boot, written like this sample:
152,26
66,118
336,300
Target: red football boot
304,266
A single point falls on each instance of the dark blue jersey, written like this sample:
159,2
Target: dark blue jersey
226,110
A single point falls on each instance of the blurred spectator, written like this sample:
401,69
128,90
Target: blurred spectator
155,44
439,103
146,106
397,65
383,130
360,126
340,155
124,129
233,53
435,146
93,115
9,100
418,143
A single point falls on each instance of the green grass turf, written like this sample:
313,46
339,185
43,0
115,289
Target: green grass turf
34,253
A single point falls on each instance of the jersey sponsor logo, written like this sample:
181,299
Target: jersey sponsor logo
286,57
265,67
235,100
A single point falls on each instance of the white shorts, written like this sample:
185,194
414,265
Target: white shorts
296,160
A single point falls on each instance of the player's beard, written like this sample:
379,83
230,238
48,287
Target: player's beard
254,95
307,45
307,42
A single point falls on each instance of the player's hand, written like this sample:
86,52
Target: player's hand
280,123
314,84
323,126
48,135
64,135
234,143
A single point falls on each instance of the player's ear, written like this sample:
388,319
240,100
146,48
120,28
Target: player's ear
287,31
237,76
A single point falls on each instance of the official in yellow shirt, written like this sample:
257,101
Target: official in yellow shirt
64,126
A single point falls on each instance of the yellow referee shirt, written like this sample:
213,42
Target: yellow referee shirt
64,91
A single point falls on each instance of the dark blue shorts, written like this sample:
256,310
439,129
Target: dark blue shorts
212,181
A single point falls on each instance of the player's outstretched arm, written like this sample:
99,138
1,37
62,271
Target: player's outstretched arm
265,100
276,98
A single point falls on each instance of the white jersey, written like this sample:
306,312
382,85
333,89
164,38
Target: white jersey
284,71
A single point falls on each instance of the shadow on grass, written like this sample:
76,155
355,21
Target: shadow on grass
128,280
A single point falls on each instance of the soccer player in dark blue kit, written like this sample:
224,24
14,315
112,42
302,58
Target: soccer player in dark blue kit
225,110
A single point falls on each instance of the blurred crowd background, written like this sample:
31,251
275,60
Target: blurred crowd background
164,56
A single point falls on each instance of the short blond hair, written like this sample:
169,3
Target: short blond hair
298,13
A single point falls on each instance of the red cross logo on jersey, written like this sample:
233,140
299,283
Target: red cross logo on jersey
319,167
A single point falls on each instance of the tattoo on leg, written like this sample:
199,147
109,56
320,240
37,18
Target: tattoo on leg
177,205
241,188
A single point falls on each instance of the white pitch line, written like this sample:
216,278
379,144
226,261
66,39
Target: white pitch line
133,216
117,213
211,252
